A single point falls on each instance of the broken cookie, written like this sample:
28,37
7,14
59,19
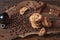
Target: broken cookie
46,22
23,10
34,18
42,31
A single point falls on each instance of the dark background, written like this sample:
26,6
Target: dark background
5,4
